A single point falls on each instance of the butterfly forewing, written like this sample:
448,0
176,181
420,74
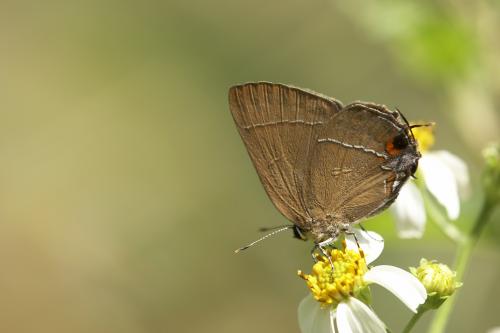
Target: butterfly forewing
280,125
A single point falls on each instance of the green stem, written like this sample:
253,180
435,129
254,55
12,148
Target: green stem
413,321
461,261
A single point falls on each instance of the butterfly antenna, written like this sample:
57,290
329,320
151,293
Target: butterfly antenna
264,229
423,125
406,121
416,125
419,125
262,238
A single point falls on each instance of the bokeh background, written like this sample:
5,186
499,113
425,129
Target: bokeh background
125,188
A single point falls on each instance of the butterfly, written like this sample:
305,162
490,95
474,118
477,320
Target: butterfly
325,166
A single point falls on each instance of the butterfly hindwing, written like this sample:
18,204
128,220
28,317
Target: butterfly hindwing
348,180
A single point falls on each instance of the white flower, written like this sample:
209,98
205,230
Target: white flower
333,308
494,330
410,212
447,179
445,176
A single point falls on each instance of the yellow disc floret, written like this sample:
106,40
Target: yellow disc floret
331,287
424,136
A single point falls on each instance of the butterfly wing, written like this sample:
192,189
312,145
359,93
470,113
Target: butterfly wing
349,177
279,125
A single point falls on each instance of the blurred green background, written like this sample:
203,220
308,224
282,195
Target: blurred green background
124,185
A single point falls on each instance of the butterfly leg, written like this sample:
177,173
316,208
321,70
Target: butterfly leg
353,234
322,248
348,231
313,253
323,251
369,235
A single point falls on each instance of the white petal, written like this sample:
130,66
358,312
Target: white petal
354,316
409,212
402,284
314,319
333,315
370,242
494,330
441,182
459,169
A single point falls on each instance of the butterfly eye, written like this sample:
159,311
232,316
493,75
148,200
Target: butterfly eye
396,144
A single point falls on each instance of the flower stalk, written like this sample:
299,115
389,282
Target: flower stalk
461,262
413,320
491,184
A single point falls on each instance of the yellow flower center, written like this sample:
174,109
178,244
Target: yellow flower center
330,288
424,136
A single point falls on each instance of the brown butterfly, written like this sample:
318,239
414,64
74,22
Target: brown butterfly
324,166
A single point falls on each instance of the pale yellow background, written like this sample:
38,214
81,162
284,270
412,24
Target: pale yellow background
125,188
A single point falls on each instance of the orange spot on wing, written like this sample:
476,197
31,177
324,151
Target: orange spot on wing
389,148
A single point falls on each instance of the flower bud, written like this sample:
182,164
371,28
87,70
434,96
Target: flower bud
438,279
